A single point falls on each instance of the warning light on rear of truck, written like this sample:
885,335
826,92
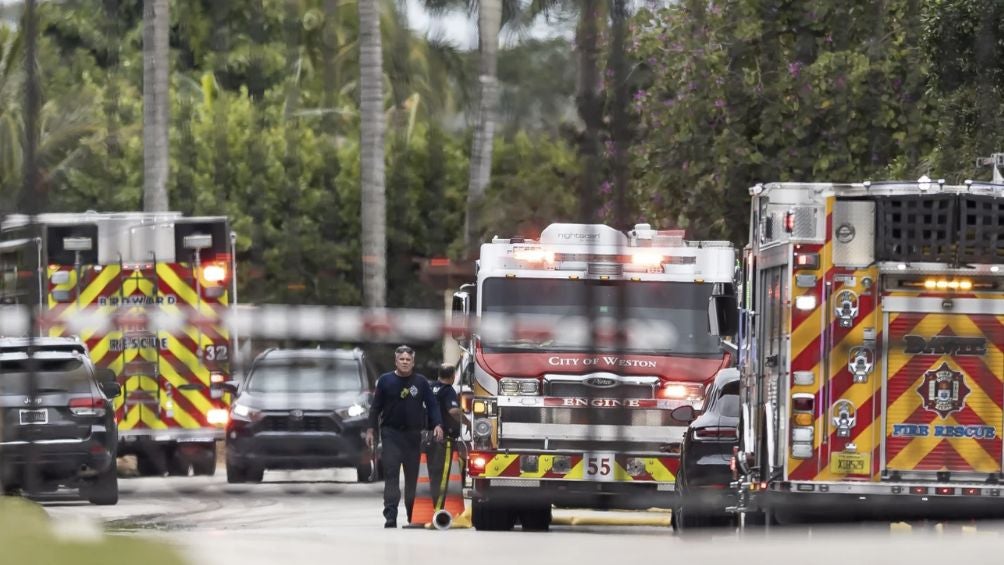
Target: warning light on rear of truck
214,273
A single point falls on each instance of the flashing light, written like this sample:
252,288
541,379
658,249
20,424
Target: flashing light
533,255
214,273
647,259
946,284
802,419
216,378
807,260
805,302
693,393
217,416
477,464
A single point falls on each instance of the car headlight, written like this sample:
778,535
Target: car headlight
242,410
354,411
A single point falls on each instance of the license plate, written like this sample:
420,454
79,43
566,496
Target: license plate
34,417
850,463
599,466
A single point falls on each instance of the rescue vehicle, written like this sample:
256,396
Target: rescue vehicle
104,276
587,351
871,344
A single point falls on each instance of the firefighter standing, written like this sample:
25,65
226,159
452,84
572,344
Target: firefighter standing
440,453
402,404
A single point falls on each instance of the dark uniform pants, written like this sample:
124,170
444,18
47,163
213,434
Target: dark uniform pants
400,448
438,456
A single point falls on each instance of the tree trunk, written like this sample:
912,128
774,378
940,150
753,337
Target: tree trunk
156,58
371,154
590,105
489,22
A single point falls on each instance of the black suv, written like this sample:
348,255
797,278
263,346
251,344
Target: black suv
705,468
301,409
64,433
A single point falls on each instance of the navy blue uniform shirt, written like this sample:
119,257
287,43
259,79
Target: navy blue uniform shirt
446,397
404,403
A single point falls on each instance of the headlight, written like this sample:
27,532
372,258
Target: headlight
513,387
353,411
242,411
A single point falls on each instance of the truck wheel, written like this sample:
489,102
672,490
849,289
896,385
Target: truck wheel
690,520
204,462
104,490
491,517
177,462
149,464
536,519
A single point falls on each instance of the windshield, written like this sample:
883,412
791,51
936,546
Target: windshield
306,375
658,317
52,375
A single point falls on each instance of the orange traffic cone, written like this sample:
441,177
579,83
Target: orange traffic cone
424,507
450,504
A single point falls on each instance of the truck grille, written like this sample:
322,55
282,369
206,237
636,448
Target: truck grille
581,390
305,424
585,416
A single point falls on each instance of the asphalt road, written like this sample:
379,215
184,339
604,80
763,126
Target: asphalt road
323,517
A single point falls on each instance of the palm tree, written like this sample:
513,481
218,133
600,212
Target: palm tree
371,155
489,25
156,60
60,127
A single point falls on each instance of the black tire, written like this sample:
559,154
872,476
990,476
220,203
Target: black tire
205,463
537,519
491,517
236,474
104,490
686,520
177,464
255,474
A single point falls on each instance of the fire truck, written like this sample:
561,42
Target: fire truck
586,351
871,344
104,277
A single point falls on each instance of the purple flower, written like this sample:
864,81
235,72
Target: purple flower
639,96
794,69
719,103
606,187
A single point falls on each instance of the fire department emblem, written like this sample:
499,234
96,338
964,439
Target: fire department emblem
944,390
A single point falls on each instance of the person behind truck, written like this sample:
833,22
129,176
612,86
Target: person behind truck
438,454
402,404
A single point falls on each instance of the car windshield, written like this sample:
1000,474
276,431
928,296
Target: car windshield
50,375
658,317
306,375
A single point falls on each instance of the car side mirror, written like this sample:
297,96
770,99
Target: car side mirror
110,389
684,414
231,387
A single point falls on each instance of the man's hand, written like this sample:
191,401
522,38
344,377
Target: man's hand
369,438
438,433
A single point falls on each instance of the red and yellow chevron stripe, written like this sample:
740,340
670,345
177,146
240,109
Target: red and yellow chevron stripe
980,397
166,382
657,469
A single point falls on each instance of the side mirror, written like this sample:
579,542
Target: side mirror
231,387
461,318
684,414
111,389
723,315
